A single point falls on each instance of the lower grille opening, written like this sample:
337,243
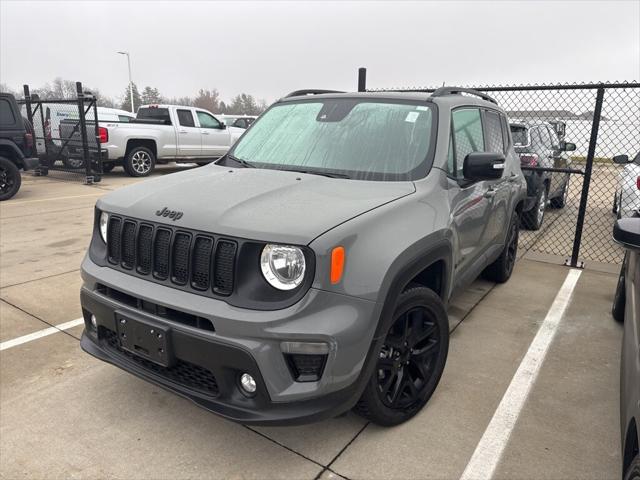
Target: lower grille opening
155,309
186,374
306,368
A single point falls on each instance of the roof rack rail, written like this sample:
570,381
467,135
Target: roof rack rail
440,92
301,93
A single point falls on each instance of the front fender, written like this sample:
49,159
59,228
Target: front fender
8,144
379,244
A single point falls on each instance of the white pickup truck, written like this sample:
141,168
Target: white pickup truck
164,133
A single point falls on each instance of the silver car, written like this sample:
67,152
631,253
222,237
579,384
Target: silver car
626,309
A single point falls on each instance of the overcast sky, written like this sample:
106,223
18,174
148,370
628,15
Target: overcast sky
270,48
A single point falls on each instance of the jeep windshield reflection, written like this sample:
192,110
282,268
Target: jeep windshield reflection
361,139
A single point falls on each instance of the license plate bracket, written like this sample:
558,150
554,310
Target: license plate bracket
145,339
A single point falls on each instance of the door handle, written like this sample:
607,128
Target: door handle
183,131
489,193
204,132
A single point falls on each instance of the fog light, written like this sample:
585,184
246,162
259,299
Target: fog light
94,322
247,383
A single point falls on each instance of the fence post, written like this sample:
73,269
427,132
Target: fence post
587,176
362,79
27,102
83,133
97,137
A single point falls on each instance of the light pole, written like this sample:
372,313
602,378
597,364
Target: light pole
130,82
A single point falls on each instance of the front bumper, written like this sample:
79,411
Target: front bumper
243,341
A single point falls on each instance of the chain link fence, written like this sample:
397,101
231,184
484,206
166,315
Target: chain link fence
567,137
66,135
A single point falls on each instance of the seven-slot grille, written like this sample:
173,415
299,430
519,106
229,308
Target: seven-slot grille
178,256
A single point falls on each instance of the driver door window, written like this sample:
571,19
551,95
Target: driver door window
207,121
467,136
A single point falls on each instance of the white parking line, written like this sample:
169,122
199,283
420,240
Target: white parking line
489,450
41,333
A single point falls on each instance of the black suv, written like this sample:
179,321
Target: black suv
16,146
538,145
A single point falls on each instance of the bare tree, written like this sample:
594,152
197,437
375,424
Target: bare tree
207,99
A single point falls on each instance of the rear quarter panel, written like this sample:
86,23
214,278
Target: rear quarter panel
120,133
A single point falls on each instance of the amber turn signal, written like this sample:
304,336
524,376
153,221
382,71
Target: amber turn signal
337,264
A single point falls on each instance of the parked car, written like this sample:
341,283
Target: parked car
538,145
164,133
626,198
627,232
308,270
16,146
68,133
240,121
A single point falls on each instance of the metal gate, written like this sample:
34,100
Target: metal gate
603,120
66,134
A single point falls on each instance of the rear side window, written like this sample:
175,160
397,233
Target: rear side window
124,118
155,114
468,136
536,139
185,118
495,140
555,143
6,113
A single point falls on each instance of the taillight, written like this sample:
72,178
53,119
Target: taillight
103,135
529,159
47,129
638,182
28,140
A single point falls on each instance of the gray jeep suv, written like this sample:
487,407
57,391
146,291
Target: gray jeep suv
308,271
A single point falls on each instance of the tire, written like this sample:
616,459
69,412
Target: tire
561,200
139,162
411,360
619,298
533,219
633,471
108,166
500,271
10,179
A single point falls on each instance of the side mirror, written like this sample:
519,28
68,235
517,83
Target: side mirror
626,231
222,126
621,159
568,146
483,166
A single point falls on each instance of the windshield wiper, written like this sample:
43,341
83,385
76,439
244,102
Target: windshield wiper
318,172
244,163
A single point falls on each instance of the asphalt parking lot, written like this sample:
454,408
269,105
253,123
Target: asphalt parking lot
64,414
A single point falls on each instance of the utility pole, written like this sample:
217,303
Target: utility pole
130,81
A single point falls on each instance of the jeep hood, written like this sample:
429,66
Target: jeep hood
252,203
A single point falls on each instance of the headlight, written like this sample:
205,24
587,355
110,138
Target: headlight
283,266
104,221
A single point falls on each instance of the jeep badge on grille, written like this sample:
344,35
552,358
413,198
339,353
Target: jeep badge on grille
172,214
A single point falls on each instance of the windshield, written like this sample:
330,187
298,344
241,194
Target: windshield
519,135
363,139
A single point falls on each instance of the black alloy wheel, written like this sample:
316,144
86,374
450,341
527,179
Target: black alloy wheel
410,360
10,179
407,359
